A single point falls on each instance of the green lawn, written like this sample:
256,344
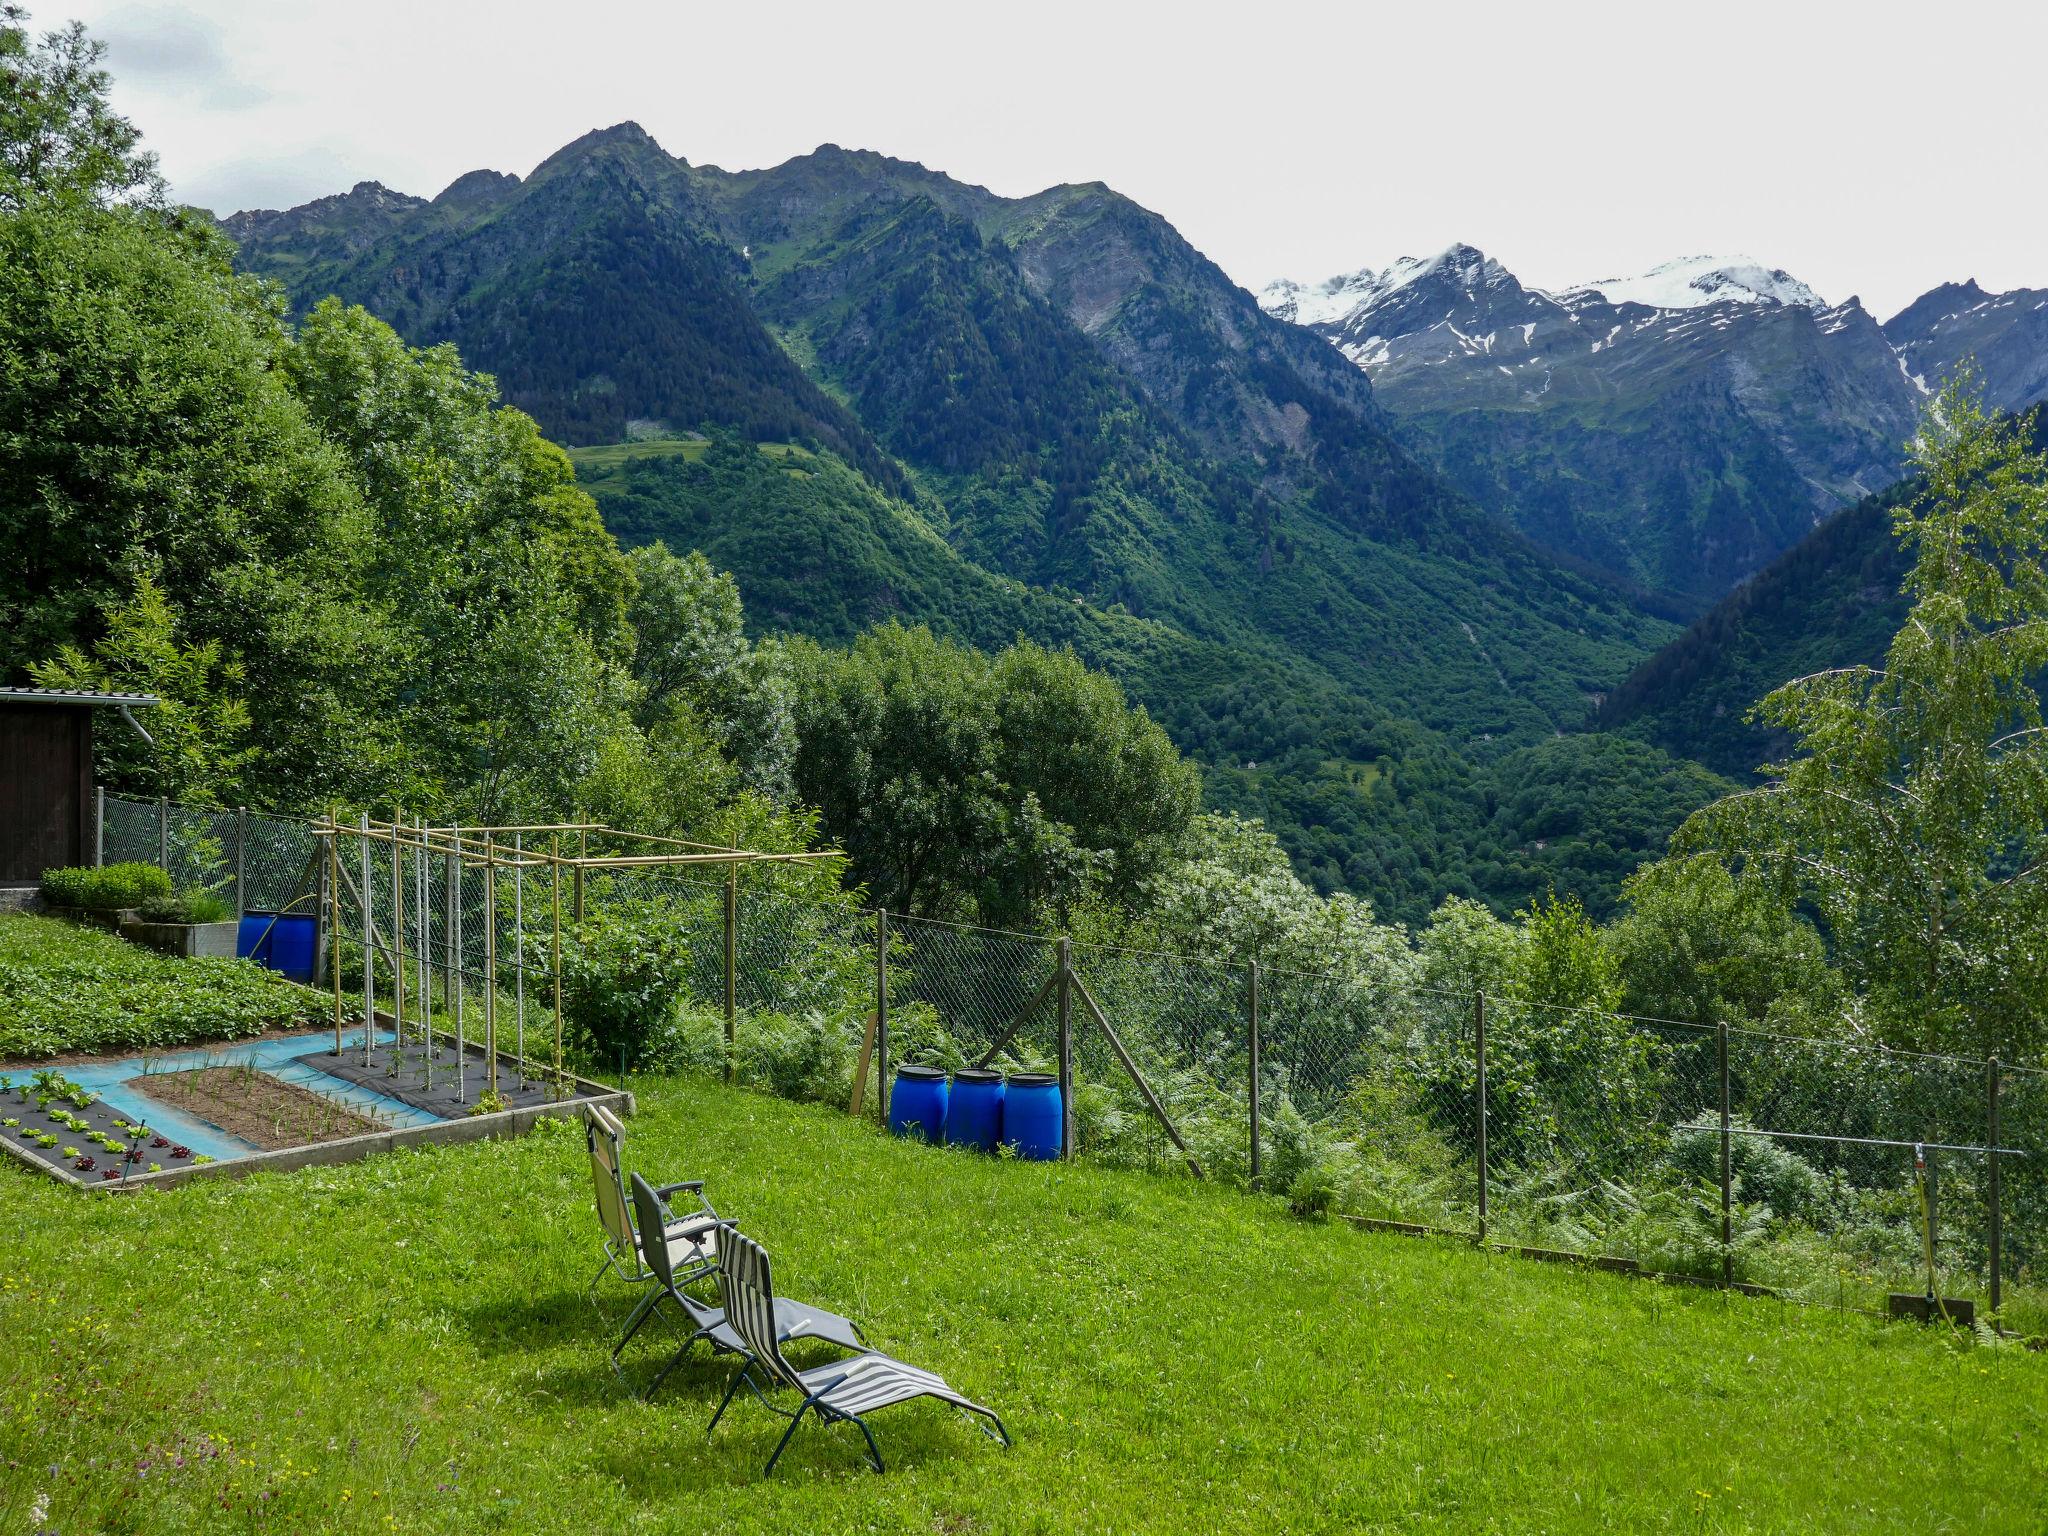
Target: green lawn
404,1344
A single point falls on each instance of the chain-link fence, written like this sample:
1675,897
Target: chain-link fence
1830,1170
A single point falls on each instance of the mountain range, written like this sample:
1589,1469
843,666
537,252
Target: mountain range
1376,588
1680,428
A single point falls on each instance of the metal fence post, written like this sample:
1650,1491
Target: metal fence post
1479,1071
241,860
99,826
163,833
1997,1234
1254,1084
732,995
1066,1007
882,1013
1727,1160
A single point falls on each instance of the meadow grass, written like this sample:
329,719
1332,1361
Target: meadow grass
405,1344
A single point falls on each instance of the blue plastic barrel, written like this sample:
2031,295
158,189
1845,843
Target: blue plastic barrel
282,941
917,1104
1033,1121
974,1118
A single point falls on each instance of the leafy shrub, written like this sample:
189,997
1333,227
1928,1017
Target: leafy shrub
626,974
919,1037
1764,1169
108,889
800,1056
187,907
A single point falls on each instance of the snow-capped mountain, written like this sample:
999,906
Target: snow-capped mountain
1680,427
1693,282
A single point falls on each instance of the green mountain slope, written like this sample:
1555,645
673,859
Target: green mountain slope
1833,600
1047,416
591,290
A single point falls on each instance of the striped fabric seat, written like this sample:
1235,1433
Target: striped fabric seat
841,1391
789,1320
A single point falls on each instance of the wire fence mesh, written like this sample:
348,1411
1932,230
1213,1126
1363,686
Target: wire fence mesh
1845,1171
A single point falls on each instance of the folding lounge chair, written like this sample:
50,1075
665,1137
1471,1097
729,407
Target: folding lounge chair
689,1245
843,1390
791,1319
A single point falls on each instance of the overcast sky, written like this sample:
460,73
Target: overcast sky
1873,149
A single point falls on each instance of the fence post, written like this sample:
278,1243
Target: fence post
1997,1235
1254,1085
163,833
882,1012
1066,1005
1727,1160
1479,1065
241,861
99,826
732,995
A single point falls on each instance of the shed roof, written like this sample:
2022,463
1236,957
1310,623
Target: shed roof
78,696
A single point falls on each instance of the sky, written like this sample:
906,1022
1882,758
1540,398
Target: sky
1873,149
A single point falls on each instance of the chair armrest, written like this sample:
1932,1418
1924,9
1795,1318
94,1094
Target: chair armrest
694,1186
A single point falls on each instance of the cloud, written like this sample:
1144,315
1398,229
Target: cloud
174,52
282,180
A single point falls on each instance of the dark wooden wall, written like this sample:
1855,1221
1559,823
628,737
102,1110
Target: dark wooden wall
45,789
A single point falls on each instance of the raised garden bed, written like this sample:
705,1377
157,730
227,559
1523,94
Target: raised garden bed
220,1109
189,940
263,1110
71,1130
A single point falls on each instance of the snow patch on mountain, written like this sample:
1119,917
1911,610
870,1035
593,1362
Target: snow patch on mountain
1330,300
1692,282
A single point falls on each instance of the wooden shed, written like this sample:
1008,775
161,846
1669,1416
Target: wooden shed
46,782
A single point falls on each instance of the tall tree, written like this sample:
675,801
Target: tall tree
1913,819
59,138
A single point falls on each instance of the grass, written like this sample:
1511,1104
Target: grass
404,1344
67,987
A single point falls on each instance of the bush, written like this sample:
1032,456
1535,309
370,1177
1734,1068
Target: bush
187,907
1764,1169
109,889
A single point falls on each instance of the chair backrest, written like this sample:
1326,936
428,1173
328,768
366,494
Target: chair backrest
748,1291
605,1142
653,1252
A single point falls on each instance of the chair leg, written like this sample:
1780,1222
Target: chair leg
725,1402
874,1454
674,1360
795,1419
640,1315
1002,1434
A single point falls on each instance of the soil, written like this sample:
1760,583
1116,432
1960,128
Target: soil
257,1107
450,1095
33,1119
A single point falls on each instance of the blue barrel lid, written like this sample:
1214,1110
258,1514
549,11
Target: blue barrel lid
1032,1079
976,1075
910,1069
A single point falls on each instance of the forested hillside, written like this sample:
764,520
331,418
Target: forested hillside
1088,435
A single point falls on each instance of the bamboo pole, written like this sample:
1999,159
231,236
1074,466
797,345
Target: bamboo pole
461,1045
334,925
491,970
369,944
519,955
558,972
397,959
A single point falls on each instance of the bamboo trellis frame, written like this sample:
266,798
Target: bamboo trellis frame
513,849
